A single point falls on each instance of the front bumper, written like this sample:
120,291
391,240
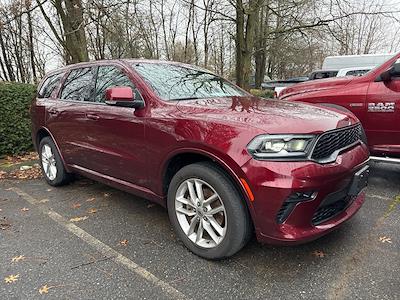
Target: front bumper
273,183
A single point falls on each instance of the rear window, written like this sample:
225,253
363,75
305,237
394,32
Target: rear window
79,85
49,85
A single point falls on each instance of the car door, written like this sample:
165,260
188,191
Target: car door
383,114
114,135
66,115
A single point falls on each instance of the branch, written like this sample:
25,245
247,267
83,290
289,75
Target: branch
23,12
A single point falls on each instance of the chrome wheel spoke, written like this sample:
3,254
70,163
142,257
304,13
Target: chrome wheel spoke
200,231
192,192
48,170
216,226
215,210
210,199
211,232
192,226
185,211
199,190
53,170
183,200
47,150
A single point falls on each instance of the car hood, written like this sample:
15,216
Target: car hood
270,116
316,85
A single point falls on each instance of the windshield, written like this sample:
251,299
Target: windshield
174,82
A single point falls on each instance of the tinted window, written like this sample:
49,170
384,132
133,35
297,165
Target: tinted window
173,82
49,85
78,85
357,72
111,76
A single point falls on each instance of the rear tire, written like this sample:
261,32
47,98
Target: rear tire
212,229
51,163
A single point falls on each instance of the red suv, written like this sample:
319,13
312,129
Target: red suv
374,98
223,162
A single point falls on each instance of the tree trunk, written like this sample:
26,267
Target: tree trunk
6,58
245,37
30,39
261,46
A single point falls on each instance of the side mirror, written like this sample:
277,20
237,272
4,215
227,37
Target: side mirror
393,71
123,96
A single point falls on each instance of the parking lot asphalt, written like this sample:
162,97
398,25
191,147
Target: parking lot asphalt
89,241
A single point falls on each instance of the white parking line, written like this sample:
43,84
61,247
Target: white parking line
103,248
379,197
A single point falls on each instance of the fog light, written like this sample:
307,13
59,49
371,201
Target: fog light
290,204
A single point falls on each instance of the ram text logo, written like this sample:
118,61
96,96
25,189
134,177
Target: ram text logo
381,107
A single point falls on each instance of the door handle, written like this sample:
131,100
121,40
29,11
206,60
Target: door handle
92,116
53,112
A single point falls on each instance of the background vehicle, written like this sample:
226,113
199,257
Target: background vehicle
374,98
222,161
354,61
320,74
353,71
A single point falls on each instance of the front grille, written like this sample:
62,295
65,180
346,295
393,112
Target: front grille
332,141
325,213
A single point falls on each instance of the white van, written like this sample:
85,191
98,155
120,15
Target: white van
350,61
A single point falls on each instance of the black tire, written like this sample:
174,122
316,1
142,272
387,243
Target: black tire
239,226
62,177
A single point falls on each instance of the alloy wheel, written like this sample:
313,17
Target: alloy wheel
49,162
201,213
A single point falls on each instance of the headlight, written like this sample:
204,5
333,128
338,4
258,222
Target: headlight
281,146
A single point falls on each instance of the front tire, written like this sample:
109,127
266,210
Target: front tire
52,166
207,212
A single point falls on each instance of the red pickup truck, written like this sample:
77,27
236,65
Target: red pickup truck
374,98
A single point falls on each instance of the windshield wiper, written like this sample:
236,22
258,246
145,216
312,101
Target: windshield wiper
188,98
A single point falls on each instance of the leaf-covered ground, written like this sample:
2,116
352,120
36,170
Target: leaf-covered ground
40,257
20,167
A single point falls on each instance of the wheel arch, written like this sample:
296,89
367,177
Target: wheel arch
184,157
44,132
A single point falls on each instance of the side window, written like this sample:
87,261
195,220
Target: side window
78,85
111,76
49,85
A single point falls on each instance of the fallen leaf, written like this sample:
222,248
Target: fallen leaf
49,190
106,195
25,172
4,225
24,168
150,205
24,209
318,253
11,278
385,239
124,242
75,205
91,199
44,201
44,290
77,219
18,258
92,211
